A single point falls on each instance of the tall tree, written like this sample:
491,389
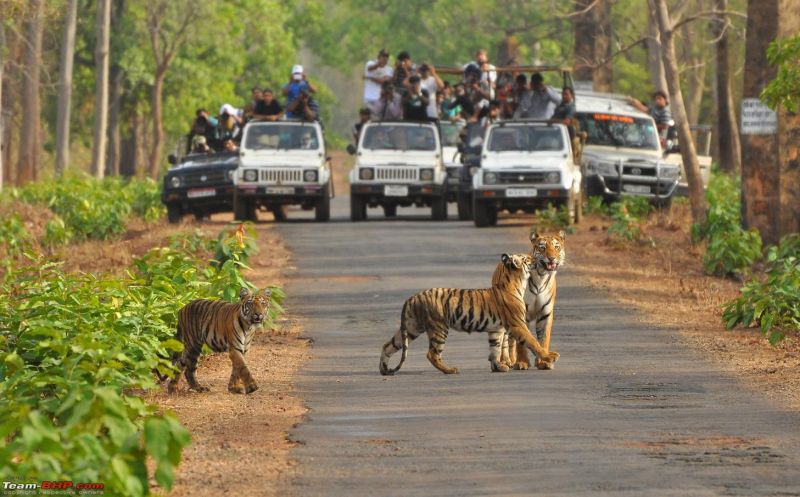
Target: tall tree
28,162
729,155
65,87
168,23
655,63
592,25
688,152
101,89
2,117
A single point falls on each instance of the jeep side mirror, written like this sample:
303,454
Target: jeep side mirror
172,159
351,149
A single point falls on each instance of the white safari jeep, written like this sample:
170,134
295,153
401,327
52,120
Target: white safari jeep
398,164
282,163
525,165
622,154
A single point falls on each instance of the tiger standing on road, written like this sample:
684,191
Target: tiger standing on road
540,298
223,327
494,310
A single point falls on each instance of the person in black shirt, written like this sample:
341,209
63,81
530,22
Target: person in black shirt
463,101
402,73
364,115
268,108
416,101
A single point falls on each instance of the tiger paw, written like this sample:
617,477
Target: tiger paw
252,387
236,389
522,365
499,368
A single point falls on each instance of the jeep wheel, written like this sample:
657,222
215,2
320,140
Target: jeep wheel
464,203
483,214
279,213
390,210
358,208
322,212
174,213
439,208
243,209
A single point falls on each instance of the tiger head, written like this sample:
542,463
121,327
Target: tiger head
255,306
513,269
548,250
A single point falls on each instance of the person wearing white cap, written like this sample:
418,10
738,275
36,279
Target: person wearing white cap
297,83
230,122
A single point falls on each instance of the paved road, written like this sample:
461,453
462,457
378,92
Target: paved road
628,411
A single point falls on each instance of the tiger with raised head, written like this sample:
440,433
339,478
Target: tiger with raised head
548,252
492,310
223,327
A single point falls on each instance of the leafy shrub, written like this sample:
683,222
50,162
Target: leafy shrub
773,301
730,248
94,209
595,205
14,238
75,349
628,217
553,218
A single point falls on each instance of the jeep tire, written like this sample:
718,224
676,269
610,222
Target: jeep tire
322,212
243,209
358,208
464,204
439,208
174,212
483,214
390,210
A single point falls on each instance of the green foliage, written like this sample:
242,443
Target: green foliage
774,300
784,90
628,216
74,351
14,238
87,208
595,205
730,248
553,218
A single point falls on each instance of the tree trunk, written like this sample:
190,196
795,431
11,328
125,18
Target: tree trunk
592,43
112,162
65,88
2,116
729,147
158,125
101,89
654,63
508,50
760,173
688,152
31,106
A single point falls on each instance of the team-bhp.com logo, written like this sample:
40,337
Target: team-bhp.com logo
53,488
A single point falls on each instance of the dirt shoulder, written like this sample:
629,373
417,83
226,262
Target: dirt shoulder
665,281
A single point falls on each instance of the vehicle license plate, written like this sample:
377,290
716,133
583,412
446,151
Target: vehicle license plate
280,190
395,190
636,188
521,192
201,192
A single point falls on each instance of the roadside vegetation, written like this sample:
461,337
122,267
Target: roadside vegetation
78,350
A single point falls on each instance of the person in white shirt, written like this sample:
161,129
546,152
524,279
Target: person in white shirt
376,72
488,78
431,82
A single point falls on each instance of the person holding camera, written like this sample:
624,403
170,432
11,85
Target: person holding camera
203,125
389,106
303,107
296,85
402,72
376,73
416,101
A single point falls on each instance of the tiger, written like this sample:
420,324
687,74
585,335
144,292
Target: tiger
223,327
493,310
549,254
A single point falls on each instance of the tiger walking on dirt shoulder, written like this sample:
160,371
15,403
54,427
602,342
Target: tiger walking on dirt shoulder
223,327
493,310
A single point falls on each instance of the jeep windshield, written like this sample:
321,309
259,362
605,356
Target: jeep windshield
615,130
281,136
450,134
526,139
399,137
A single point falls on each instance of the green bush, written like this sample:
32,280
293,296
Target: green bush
730,249
595,205
75,349
93,209
14,237
553,218
774,300
628,216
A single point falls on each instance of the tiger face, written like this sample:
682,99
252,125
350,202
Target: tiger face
517,262
255,305
548,250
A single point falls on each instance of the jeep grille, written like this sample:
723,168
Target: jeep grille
275,175
509,178
211,178
396,173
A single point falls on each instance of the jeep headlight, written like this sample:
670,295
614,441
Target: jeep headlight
553,177
473,170
175,181
310,175
606,169
250,175
670,172
231,174
426,174
366,173
489,178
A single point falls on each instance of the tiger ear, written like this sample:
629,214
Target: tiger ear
562,234
534,235
243,293
267,293
509,261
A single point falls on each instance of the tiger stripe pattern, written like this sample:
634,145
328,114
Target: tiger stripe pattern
548,252
224,327
493,310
